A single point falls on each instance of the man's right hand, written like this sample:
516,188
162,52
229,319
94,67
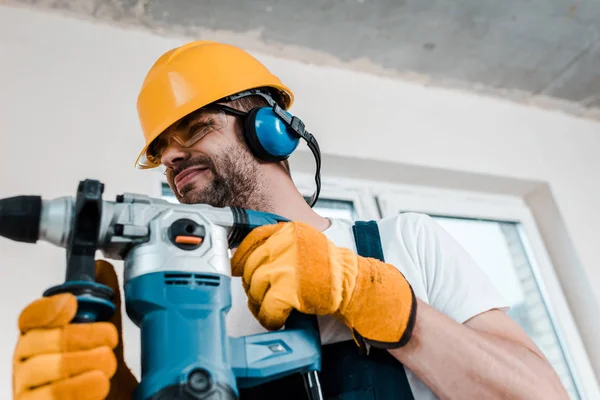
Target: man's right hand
56,359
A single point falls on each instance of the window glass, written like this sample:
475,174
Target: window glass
333,208
167,194
498,249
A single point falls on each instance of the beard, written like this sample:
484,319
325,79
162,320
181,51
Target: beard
234,181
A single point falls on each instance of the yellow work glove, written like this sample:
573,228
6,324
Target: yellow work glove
291,265
57,360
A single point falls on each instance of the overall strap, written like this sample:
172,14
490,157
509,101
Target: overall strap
368,244
368,241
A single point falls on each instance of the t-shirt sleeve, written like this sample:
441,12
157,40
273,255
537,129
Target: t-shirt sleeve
456,285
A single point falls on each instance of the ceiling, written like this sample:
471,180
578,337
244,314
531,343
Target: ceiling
543,52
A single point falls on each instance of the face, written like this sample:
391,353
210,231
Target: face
208,162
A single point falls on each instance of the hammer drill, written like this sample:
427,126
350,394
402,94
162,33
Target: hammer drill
177,288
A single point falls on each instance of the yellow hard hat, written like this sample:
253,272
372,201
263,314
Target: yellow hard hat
192,76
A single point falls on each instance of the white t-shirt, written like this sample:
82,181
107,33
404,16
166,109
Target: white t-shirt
439,270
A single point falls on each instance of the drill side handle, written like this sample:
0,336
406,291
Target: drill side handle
261,358
94,300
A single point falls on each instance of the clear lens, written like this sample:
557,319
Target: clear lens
187,132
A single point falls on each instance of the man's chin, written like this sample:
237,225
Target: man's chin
193,193
185,200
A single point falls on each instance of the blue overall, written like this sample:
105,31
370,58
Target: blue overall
346,374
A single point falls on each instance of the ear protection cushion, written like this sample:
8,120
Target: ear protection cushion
267,136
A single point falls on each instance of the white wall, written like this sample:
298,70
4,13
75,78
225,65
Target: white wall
67,112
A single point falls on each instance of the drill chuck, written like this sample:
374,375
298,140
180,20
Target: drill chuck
20,218
28,219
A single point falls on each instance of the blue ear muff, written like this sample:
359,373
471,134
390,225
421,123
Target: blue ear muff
268,136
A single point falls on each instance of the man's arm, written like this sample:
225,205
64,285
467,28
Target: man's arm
488,356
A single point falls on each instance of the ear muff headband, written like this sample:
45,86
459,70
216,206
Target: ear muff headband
272,134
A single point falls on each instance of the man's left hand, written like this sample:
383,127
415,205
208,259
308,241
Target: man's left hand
294,266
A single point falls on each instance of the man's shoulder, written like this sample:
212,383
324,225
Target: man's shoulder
406,220
406,227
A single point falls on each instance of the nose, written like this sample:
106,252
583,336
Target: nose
174,154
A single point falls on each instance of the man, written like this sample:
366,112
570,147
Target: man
426,322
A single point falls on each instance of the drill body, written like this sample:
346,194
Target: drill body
177,282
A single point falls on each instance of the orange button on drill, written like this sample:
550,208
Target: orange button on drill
188,240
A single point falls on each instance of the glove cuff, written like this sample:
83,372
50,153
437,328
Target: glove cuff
382,310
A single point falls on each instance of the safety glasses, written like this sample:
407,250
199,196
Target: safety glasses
191,129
